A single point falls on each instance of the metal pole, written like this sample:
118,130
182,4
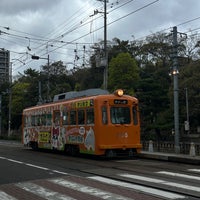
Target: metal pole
187,123
48,87
176,90
40,93
9,111
105,47
0,111
187,106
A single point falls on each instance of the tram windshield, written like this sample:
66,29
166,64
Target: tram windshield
120,115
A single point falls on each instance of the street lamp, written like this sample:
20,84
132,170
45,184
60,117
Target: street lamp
34,57
176,90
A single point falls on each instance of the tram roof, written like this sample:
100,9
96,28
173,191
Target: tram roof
77,94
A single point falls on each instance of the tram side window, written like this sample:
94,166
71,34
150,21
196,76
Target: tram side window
37,120
48,119
26,121
33,123
135,116
90,116
104,115
73,117
81,117
43,119
65,118
56,118
29,120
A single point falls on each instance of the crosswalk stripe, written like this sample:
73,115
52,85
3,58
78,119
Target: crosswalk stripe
89,190
194,170
155,192
179,175
42,192
160,181
5,196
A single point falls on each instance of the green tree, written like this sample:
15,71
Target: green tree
20,100
189,78
123,73
55,79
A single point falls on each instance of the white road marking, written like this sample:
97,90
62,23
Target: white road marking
88,190
32,165
60,172
4,196
16,161
194,170
36,166
43,192
147,190
179,175
160,181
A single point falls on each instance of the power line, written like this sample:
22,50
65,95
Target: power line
43,43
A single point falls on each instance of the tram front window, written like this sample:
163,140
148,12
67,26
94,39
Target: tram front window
120,115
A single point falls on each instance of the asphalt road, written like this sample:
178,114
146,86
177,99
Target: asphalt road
27,174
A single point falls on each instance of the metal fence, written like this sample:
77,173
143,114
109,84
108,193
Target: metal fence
168,147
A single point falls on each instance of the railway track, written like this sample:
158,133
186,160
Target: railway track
117,178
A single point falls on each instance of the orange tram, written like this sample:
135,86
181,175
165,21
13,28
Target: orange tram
88,122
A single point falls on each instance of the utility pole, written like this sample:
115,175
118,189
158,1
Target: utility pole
40,101
175,73
0,111
187,123
105,47
105,53
48,74
10,101
9,110
176,90
48,86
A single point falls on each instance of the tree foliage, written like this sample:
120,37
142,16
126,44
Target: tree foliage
123,73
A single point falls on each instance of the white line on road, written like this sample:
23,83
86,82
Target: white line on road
88,190
16,161
147,190
32,165
59,172
36,166
4,196
163,182
194,170
179,175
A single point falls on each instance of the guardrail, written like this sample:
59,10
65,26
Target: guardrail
168,147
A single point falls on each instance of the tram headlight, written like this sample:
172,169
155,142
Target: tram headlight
119,92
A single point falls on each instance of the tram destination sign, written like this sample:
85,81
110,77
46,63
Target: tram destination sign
120,101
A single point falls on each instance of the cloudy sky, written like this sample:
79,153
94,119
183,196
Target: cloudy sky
67,29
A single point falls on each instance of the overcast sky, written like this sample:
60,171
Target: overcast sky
62,28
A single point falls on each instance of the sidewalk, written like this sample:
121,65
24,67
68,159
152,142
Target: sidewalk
180,158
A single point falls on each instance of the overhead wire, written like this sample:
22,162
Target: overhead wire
76,39
47,41
39,39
